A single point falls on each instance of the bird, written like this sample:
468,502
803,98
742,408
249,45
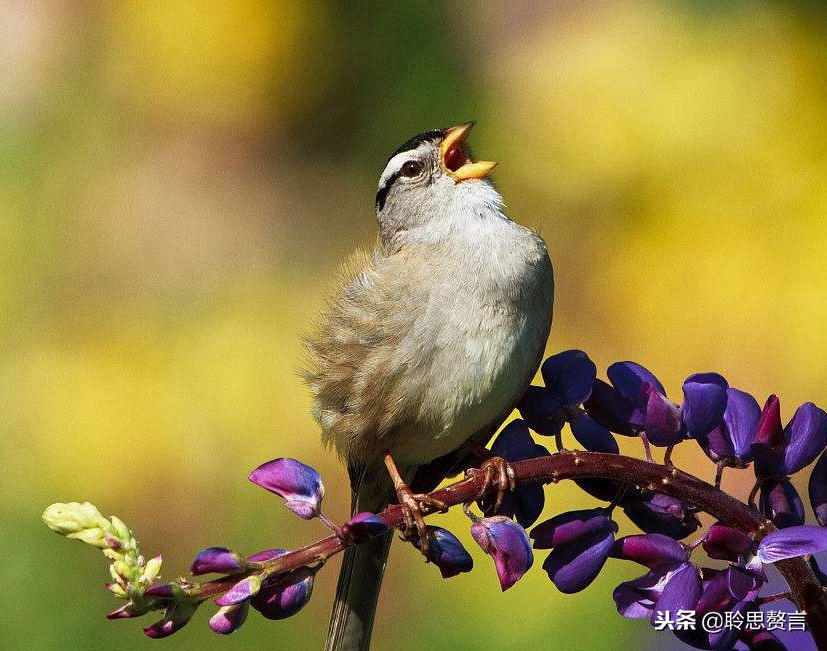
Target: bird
425,346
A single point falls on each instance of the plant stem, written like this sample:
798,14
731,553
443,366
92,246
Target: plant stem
805,590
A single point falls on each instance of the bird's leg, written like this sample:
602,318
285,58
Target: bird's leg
413,505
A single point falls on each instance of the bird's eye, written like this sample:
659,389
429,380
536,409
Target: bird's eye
412,168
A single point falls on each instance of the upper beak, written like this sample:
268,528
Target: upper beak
454,155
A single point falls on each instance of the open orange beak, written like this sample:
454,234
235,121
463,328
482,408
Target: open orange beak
455,159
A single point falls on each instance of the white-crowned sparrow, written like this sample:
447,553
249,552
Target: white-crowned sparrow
428,343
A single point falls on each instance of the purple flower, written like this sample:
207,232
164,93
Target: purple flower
507,543
786,451
541,410
715,597
569,376
229,618
446,552
666,587
128,610
704,402
659,513
284,595
818,490
217,559
580,543
514,443
593,436
725,543
265,555
792,542
731,439
241,591
176,616
299,485
362,527
779,501
651,550
636,402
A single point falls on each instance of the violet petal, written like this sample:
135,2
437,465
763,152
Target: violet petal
229,619
662,420
805,437
629,377
818,490
447,553
299,485
659,513
704,402
571,527
507,543
573,567
780,502
741,420
216,560
792,542
569,376
725,543
651,549
285,595
681,592
362,527
593,436
541,410
241,591
636,598
611,409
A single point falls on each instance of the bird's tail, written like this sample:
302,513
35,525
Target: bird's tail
360,578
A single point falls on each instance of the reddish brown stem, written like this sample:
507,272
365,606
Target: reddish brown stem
805,590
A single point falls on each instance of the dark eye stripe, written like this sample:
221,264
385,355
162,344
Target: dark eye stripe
382,193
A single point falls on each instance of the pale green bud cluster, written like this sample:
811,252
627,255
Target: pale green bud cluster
131,573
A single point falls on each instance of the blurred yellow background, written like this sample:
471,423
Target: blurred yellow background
179,182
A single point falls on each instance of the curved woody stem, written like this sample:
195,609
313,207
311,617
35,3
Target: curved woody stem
805,590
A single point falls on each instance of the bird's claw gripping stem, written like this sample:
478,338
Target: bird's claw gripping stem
506,478
414,506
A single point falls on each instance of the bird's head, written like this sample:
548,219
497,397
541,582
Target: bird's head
431,181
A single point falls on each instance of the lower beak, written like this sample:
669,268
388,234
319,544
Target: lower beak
455,159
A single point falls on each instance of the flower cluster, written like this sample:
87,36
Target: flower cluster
728,425
733,431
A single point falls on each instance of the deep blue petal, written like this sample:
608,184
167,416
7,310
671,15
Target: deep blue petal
704,402
569,376
574,566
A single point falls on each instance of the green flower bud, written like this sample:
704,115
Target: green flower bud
151,570
74,517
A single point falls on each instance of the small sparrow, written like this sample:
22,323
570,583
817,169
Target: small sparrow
427,345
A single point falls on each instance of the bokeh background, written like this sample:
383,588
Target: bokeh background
179,182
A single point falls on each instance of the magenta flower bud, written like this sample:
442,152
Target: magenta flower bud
299,485
768,446
704,402
176,616
229,618
571,527
662,420
284,595
652,550
241,591
161,591
446,552
780,502
362,527
507,543
127,611
725,543
218,560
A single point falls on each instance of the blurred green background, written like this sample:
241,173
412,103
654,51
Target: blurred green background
179,182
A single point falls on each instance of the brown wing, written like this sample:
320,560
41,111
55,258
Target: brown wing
352,369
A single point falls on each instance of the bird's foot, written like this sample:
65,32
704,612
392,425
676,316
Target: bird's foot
414,507
500,472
